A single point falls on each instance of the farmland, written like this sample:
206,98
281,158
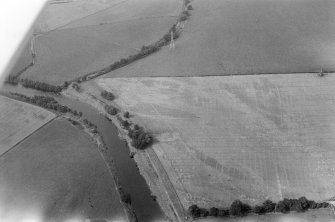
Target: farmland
57,174
238,137
247,37
18,120
310,216
66,50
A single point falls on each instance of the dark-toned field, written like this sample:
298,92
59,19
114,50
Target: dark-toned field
247,36
69,46
18,120
57,174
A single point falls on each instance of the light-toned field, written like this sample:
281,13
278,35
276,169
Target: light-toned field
98,40
57,174
238,137
247,36
55,16
323,215
18,120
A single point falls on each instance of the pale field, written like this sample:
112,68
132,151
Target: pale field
99,40
323,215
238,137
57,174
247,36
55,16
132,10
18,120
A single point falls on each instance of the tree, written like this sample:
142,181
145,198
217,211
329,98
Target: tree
236,208
268,206
282,207
213,211
194,210
259,209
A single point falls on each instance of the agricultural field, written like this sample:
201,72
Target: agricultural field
55,16
57,174
24,59
238,137
99,39
18,120
247,37
324,215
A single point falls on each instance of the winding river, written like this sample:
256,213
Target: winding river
145,208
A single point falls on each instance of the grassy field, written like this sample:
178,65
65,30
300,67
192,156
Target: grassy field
238,137
95,41
247,36
18,120
309,216
57,174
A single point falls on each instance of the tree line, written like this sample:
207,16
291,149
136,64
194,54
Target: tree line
48,102
41,86
140,139
145,50
238,208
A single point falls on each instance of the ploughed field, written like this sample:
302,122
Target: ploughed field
239,137
79,37
18,120
247,37
57,174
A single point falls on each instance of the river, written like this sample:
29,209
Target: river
146,209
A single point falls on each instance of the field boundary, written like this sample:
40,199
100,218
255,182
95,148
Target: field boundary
26,137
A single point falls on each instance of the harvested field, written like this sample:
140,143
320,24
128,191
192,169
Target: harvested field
66,54
96,41
18,120
238,137
310,216
247,36
57,174
131,10
56,16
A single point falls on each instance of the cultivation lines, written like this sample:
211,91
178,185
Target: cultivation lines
18,120
254,137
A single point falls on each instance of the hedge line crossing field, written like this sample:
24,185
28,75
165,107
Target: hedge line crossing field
247,36
18,120
92,42
238,137
57,174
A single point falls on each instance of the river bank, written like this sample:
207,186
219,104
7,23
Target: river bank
143,158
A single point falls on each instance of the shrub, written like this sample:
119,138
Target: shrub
126,115
268,206
111,110
189,7
259,210
126,198
107,95
213,211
